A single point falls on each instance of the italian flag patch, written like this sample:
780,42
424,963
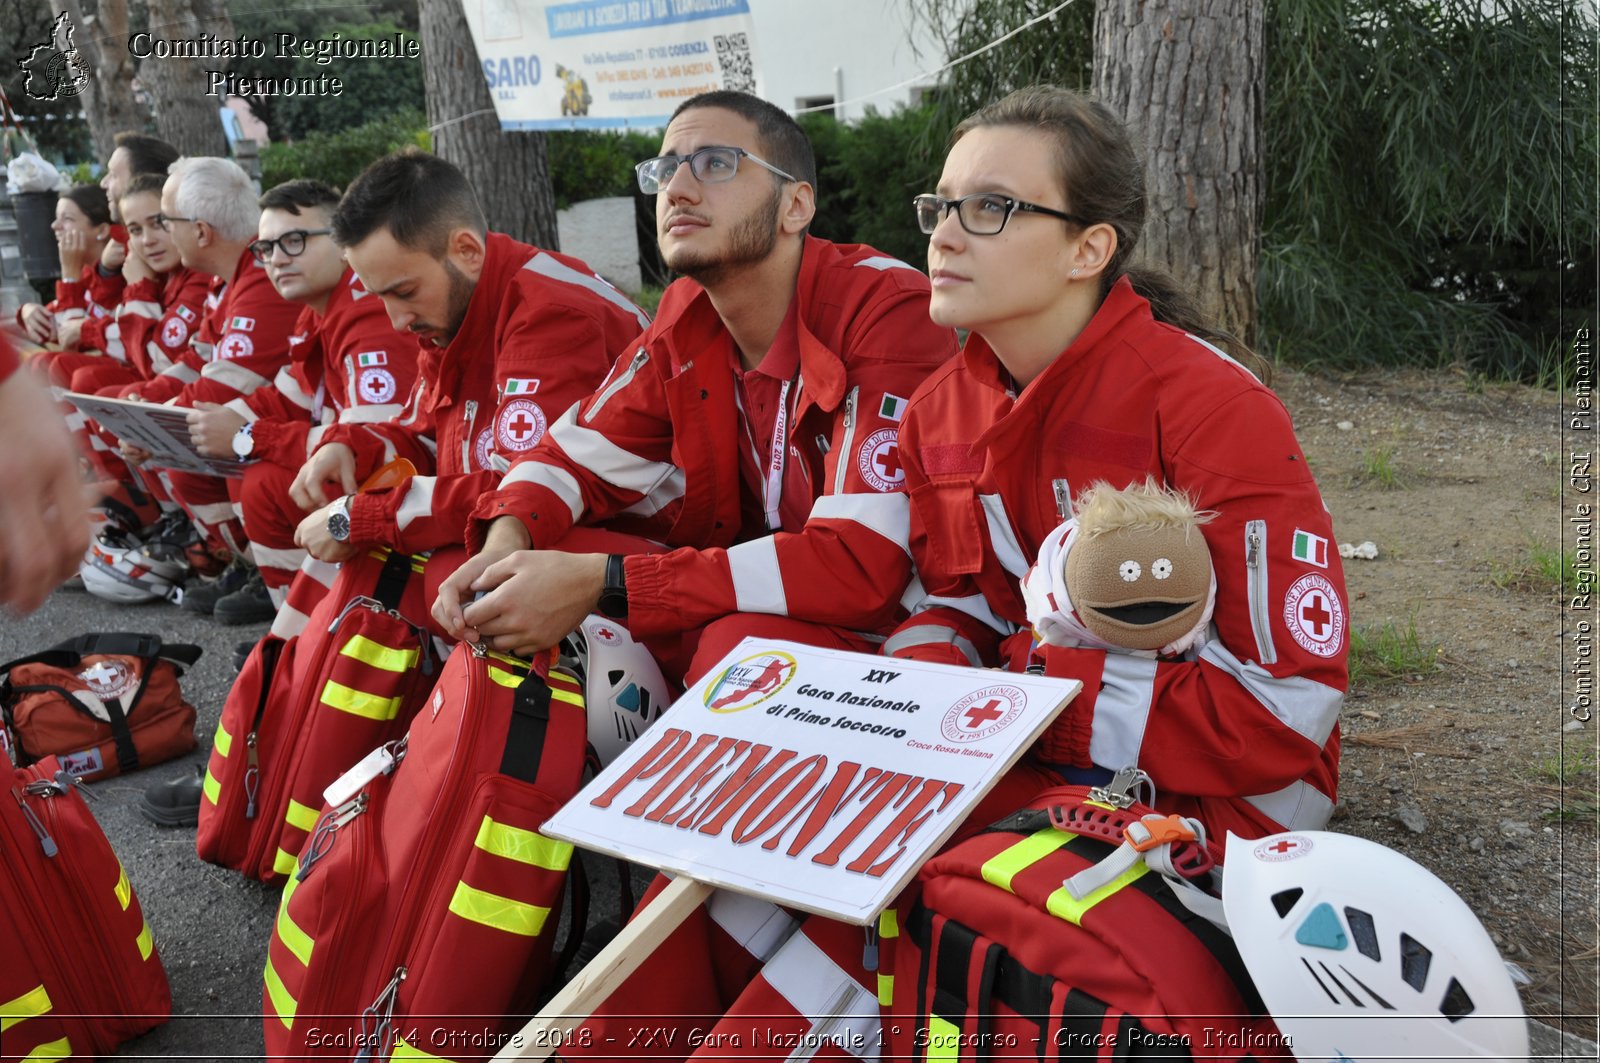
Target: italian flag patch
241,324
892,408
521,387
1312,549
371,358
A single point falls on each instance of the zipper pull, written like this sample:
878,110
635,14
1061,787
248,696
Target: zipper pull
850,408
47,843
380,1015
67,781
360,600
252,775
1253,550
321,839
869,953
1063,492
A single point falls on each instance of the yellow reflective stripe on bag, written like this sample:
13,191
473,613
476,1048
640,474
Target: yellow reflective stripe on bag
376,654
360,703
1063,905
30,1005
302,817
283,1004
500,913
123,890
284,862
294,939
211,787
59,1049
222,741
944,1039
524,846
888,930
505,678
1007,864
145,942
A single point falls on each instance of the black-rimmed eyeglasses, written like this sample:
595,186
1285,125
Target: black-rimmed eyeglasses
709,165
981,214
293,242
164,221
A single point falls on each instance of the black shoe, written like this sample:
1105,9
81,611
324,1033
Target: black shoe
174,803
241,653
203,597
249,604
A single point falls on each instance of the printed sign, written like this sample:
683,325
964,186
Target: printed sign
817,779
602,64
162,430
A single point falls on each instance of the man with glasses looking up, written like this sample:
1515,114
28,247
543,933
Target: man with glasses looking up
753,427
346,365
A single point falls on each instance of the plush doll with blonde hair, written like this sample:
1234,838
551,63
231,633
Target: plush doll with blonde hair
1130,571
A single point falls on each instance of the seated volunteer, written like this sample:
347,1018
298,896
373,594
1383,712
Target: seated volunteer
752,427
1037,214
82,227
44,529
133,154
511,335
346,365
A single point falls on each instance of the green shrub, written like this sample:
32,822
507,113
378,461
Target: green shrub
590,164
338,157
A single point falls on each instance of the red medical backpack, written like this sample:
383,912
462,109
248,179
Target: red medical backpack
80,974
302,711
421,916
1002,954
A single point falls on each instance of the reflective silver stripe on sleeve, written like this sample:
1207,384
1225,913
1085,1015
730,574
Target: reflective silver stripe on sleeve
369,414
213,513
1298,806
670,491
288,385
840,1008
180,372
558,481
757,583
240,407
1307,707
888,515
289,622
141,308
546,266
418,501
233,375
883,262
616,466
758,926
271,557
931,635
1006,549
1122,711
975,606
114,345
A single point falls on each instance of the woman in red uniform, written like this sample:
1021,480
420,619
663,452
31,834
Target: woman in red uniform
1079,370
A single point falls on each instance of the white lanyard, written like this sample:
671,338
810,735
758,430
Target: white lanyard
773,493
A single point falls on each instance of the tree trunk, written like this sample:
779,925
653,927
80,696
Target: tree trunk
1188,76
108,99
510,171
186,117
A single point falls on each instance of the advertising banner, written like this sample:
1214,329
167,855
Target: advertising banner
607,64
817,779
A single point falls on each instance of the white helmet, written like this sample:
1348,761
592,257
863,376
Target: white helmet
119,568
1361,954
623,688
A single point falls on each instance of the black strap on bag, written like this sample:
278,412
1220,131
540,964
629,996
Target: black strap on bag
70,654
392,579
525,732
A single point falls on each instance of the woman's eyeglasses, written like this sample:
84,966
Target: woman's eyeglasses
981,214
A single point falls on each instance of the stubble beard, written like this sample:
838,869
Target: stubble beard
752,240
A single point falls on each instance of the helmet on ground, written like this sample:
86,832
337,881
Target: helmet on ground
1361,954
623,688
119,568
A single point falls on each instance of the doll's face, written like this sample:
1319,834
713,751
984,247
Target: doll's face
1140,589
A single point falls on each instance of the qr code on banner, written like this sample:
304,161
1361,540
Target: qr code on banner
733,55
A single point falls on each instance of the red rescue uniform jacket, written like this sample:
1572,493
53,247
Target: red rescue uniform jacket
539,334
656,452
1247,724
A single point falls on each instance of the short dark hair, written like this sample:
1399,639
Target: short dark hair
420,198
91,199
145,182
300,194
783,142
146,154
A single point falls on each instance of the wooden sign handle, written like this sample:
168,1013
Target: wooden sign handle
544,1034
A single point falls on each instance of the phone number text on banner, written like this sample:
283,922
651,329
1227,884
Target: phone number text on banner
604,64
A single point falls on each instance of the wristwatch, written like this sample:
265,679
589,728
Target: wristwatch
244,443
339,520
614,594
